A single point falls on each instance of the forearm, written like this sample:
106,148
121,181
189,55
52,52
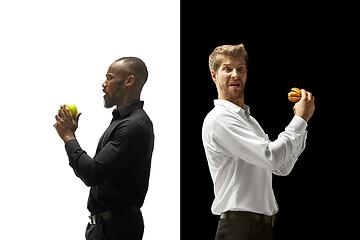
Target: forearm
240,141
289,144
113,157
76,154
289,163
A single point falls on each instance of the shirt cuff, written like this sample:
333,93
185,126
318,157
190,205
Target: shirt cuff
71,146
298,124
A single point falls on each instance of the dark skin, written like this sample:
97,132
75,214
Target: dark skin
120,88
65,124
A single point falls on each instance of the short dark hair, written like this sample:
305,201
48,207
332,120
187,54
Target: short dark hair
136,65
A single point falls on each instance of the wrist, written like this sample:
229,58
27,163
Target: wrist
306,120
68,138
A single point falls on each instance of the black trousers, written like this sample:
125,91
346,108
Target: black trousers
239,229
126,228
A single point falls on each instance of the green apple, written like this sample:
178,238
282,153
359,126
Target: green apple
72,109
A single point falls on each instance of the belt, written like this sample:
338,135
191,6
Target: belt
115,213
249,216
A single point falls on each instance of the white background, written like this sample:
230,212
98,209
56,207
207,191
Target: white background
58,52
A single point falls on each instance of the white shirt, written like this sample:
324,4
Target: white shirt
242,159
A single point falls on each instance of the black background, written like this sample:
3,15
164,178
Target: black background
288,46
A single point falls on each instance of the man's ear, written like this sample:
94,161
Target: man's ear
130,80
213,75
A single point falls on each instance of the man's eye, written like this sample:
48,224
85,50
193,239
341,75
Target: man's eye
241,69
227,69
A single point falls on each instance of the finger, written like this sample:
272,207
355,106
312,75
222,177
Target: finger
67,112
59,121
62,113
303,94
58,118
77,117
309,95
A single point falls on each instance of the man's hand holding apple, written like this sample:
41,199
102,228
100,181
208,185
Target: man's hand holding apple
66,124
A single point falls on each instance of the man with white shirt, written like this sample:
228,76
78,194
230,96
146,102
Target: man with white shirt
240,155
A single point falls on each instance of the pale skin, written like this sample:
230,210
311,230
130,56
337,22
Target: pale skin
120,88
230,81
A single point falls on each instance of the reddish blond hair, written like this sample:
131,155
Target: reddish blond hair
218,54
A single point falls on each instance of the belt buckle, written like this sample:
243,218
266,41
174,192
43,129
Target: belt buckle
92,220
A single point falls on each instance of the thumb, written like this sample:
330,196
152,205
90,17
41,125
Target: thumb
77,117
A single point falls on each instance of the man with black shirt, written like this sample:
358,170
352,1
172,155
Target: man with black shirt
119,173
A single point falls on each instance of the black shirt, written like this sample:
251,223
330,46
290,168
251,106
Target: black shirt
119,173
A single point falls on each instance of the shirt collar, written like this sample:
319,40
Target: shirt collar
233,107
125,110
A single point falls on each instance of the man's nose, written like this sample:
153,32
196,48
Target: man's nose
234,73
104,85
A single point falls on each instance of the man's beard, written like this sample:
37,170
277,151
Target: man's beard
240,94
108,102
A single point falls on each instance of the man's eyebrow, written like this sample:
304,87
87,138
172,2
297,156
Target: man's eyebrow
231,64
